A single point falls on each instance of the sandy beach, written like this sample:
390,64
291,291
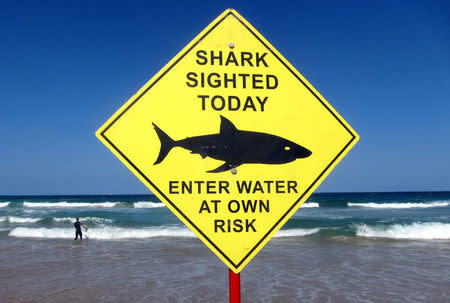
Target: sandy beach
184,270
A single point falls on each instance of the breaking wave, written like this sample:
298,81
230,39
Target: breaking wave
401,205
84,219
70,204
144,204
103,233
423,231
4,204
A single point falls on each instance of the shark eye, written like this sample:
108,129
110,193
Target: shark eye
287,148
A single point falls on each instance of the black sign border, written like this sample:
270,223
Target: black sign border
167,199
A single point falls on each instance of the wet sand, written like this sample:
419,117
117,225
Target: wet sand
183,270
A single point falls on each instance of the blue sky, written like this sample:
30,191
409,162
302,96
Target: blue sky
67,66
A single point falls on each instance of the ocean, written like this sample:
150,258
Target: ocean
338,247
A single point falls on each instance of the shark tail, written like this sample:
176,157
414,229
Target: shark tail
167,144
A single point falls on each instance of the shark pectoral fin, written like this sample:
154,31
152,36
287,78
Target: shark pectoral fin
202,155
224,167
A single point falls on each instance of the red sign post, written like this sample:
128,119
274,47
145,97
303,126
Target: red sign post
235,286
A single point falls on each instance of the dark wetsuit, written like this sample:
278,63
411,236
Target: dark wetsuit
77,226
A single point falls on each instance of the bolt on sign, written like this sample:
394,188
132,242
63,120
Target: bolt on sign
231,137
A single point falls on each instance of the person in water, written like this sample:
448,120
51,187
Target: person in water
77,226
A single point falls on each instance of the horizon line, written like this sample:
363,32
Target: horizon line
151,194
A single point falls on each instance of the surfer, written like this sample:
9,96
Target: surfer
77,226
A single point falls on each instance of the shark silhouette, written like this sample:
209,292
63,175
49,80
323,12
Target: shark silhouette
235,147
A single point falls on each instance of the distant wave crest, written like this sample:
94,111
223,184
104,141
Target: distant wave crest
4,204
298,232
422,231
69,204
310,204
103,233
401,205
144,204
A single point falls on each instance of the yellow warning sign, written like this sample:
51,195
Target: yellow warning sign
231,137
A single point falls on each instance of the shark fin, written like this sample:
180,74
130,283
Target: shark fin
226,127
202,155
224,167
167,144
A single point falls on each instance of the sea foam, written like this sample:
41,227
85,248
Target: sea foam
401,205
103,233
4,204
144,204
425,231
67,204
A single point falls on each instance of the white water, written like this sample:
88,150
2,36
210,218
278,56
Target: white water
113,233
103,233
400,205
67,204
144,204
23,220
425,231
298,232
4,204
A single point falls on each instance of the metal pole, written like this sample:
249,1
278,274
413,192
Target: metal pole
235,286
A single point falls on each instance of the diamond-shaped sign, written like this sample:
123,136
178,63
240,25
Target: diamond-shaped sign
230,137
